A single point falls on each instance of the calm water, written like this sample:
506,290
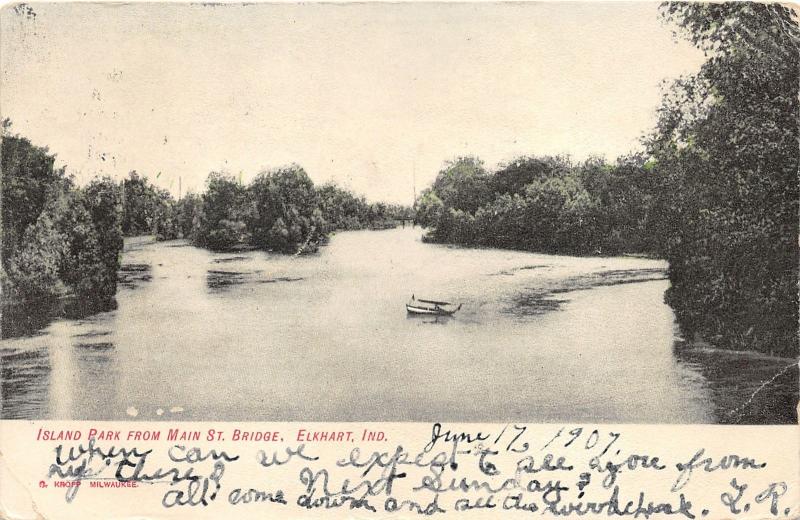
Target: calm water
198,335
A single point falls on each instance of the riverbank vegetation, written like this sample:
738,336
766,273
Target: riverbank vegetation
715,192
58,238
344,210
280,210
726,152
544,204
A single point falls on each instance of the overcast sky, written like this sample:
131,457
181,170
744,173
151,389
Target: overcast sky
362,94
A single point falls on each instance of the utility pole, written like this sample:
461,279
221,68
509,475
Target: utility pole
122,184
179,188
414,184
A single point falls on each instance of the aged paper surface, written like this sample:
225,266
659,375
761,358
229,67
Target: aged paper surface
649,471
391,260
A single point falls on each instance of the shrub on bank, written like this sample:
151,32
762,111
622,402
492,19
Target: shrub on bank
57,238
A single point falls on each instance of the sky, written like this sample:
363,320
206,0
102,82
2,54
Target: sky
373,96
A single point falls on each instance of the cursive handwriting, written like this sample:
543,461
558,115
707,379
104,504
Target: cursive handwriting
570,472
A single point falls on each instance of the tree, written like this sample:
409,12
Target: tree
144,205
187,211
103,202
543,204
285,214
225,209
462,184
73,243
727,160
29,181
514,176
342,209
34,267
429,209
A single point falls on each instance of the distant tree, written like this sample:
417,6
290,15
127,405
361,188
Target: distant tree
545,204
144,205
285,214
515,175
225,210
187,212
462,184
342,209
429,209
623,193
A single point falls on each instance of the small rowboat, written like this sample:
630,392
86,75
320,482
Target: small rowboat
430,307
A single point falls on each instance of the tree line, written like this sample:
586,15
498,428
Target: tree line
280,210
60,239
715,191
545,204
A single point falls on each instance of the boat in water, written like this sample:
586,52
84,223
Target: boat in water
431,307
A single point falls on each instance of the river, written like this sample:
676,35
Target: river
254,336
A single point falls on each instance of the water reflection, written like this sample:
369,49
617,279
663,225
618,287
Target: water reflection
30,319
258,336
218,280
746,387
230,259
222,279
131,276
24,381
92,334
434,320
96,346
281,279
541,298
534,303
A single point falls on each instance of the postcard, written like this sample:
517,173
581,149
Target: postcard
391,260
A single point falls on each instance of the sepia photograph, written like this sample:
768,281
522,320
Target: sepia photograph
409,212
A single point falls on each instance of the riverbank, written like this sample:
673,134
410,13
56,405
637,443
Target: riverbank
285,337
132,242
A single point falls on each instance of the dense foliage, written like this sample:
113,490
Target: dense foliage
284,216
716,193
57,239
726,152
343,210
222,215
280,210
543,204
144,205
